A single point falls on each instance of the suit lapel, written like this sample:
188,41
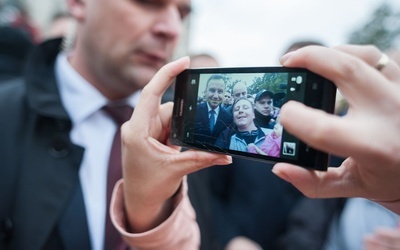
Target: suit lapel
49,177
222,122
73,227
48,181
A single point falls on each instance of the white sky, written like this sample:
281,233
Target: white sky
257,32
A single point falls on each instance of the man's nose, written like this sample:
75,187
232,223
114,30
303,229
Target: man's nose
169,23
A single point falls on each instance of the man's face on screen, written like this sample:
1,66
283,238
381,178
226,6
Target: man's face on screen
215,92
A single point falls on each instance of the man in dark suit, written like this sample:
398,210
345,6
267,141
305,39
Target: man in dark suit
57,132
211,118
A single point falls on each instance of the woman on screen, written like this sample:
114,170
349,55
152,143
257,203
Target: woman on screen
246,131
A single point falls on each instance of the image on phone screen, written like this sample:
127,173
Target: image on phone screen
237,111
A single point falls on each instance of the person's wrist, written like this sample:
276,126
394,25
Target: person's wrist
144,213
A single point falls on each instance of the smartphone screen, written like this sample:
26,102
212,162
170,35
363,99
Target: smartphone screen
236,111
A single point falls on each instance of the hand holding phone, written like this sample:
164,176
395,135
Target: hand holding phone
236,111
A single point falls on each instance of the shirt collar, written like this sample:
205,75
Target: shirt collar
216,109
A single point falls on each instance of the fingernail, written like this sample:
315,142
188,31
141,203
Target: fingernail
285,58
280,174
222,160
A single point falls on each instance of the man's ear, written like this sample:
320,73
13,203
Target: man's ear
77,9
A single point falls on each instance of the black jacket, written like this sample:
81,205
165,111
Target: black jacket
309,223
38,163
249,200
202,127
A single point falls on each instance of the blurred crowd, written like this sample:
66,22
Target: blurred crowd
19,33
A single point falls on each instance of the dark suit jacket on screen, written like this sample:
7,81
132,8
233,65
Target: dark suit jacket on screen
202,126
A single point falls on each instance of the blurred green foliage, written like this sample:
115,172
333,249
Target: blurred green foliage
382,30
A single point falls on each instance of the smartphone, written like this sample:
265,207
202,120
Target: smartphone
236,111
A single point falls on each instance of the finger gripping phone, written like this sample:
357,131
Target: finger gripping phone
236,111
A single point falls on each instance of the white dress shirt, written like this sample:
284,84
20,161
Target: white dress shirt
93,130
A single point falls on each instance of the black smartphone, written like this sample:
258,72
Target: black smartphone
236,111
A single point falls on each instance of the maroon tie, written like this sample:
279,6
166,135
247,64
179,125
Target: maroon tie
119,114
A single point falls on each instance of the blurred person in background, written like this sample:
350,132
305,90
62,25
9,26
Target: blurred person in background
60,25
15,46
202,60
17,36
300,44
14,15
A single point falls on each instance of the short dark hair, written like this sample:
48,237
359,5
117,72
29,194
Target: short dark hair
301,44
215,77
242,98
263,93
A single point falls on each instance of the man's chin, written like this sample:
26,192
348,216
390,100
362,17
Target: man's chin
214,105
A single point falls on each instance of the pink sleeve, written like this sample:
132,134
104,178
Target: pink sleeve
179,231
251,149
